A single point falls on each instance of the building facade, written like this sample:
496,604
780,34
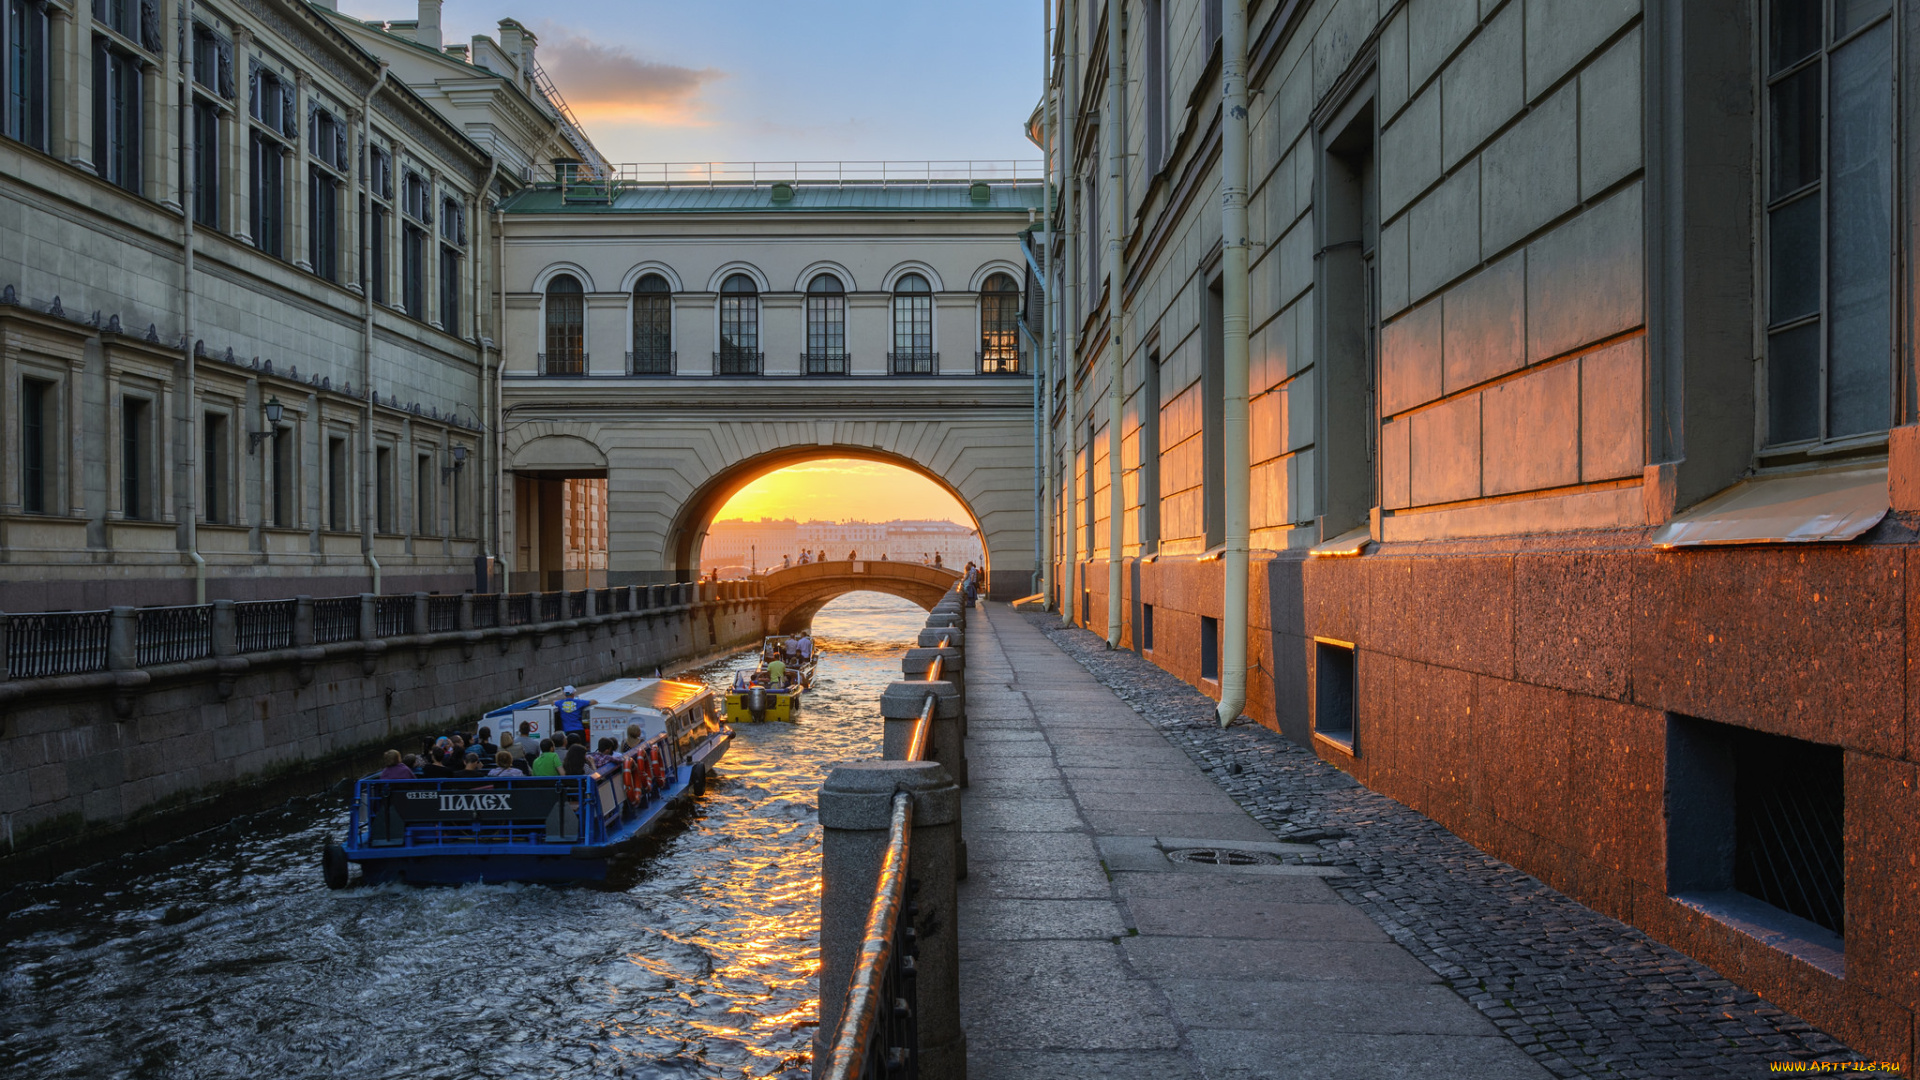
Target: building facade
681,337
244,273
1579,355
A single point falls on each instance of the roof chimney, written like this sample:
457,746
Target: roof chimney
429,32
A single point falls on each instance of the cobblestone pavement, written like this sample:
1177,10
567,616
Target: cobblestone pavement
1586,995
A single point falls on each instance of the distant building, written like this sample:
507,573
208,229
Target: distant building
762,544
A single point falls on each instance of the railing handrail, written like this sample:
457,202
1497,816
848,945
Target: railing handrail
834,173
860,1017
923,727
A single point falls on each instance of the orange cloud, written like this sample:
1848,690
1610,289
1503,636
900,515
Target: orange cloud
836,489
606,82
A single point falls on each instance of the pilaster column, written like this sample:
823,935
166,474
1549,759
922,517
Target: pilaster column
240,146
297,181
430,254
159,157
352,198
71,76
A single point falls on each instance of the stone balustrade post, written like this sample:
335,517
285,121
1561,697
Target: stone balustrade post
900,706
953,668
593,603
223,629
856,811
123,638
932,636
633,598
464,621
6,639
420,617
369,617
500,605
302,621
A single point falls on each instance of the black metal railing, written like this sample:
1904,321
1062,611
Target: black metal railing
559,365
443,614
997,362
607,601
336,618
171,635
913,362
260,625
392,616
823,362
879,1033
519,609
553,606
648,362
486,611
737,362
51,643
577,604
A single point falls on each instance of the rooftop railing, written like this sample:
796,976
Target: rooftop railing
752,173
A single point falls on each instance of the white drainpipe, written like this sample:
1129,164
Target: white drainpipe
1116,309
1237,466
1070,200
1043,371
366,344
486,381
190,392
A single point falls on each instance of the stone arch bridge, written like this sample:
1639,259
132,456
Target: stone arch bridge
796,593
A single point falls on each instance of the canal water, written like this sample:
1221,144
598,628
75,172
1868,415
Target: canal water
225,956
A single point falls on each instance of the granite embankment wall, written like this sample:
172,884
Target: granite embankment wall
88,758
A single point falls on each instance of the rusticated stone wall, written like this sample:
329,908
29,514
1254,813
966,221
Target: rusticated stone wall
80,761
1522,695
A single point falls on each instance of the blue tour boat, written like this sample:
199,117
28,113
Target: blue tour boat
541,828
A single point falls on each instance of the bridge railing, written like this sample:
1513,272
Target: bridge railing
56,644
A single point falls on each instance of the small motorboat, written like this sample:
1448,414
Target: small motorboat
541,828
756,697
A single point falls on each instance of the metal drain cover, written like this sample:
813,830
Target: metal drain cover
1215,856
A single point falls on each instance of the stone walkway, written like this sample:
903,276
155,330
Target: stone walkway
1086,952
1377,945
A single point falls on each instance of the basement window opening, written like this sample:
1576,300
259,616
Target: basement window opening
1146,627
1756,835
1333,693
1210,648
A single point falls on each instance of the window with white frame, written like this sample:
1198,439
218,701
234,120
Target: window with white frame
416,216
119,111
453,241
826,326
375,263
739,327
268,143
327,166
1000,325
1829,219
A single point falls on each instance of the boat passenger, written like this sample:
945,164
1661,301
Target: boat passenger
576,759
548,763
603,754
394,769
634,738
503,764
776,672
484,744
572,711
438,768
473,767
806,645
742,680
415,765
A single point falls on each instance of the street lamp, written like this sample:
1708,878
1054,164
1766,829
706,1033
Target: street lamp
274,410
459,462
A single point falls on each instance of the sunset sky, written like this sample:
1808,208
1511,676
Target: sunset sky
839,489
755,80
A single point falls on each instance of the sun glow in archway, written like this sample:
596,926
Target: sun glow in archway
844,489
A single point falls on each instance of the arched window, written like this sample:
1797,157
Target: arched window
1000,326
566,328
652,327
826,326
912,328
739,328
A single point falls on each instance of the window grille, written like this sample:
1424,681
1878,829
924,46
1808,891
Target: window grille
566,327
652,327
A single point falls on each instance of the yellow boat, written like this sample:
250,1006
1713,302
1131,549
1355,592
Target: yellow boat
754,699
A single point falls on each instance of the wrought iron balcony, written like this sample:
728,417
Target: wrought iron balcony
997,362
652,362
824,362
563,366
737,362
913,362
